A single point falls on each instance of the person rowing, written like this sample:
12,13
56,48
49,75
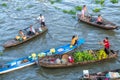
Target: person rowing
106,45
41,18
74,40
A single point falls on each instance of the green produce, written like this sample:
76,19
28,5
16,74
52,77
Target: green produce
83,56
102,54
89,55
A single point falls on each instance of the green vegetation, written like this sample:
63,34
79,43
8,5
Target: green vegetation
100,2
53,1
4,4
97,1
57,8
73,17
96,10
30,6
73,12
114,1
83,56
18,9
79,8
58,0
89,55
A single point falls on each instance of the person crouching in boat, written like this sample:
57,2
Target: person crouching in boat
21,36
83,12
99,20
74,40
32,31
106,45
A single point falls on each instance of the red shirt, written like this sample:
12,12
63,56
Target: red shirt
106,44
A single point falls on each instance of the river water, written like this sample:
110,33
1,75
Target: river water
19,14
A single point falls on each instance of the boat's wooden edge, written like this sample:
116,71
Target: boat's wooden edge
42,64
44,30
99,26
100,75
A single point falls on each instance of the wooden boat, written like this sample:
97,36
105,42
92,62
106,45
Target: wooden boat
27,61
92,21
16,64
106,75
15,42
50,62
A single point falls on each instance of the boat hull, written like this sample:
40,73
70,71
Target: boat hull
53,65
107,25
14,42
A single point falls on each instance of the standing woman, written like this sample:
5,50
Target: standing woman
84,11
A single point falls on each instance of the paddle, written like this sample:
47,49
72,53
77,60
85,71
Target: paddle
29,26
49,35
76,24
118,27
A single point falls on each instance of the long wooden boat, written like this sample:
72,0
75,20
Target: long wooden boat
27,61
50,62
15,42
92,21
106,75
16,64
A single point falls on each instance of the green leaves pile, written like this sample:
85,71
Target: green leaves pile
89,55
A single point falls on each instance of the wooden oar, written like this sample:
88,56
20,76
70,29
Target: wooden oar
118,27
29,27
50,35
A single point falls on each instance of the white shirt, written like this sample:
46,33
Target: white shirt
32,29
41,18
83,12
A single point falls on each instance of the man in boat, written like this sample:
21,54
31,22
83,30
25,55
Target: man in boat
74,40
106,44
42,20
83,12
99,20
32,31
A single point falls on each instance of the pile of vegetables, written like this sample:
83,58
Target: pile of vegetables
89,55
